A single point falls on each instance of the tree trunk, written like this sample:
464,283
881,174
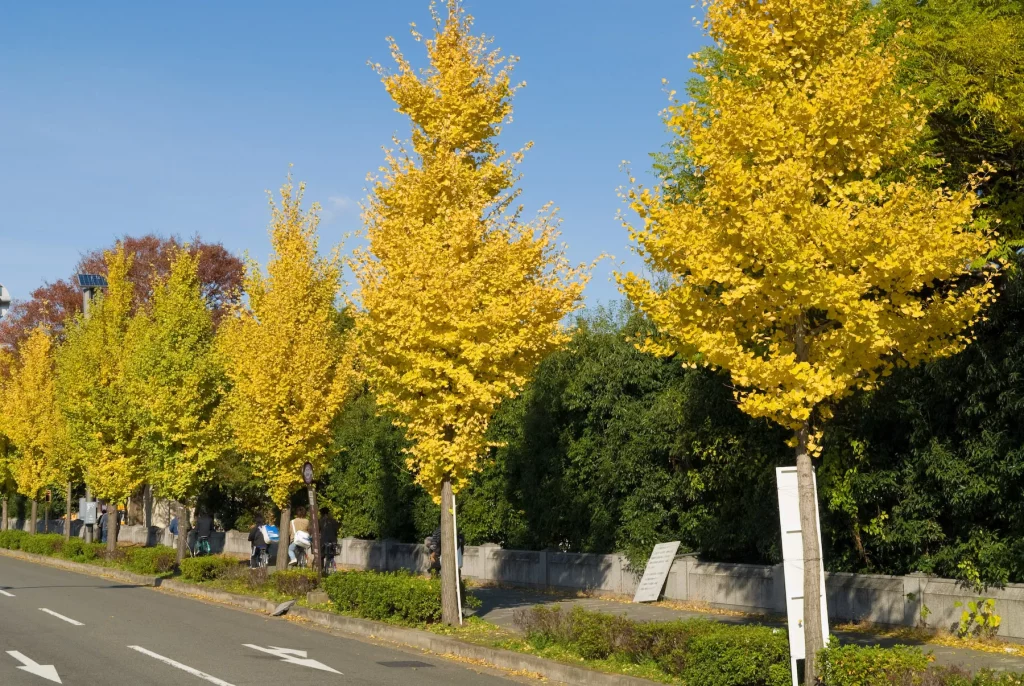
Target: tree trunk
182,531
282,543
112,527
5,524
147,506
449,562
35,513
67,514
46,516
812,556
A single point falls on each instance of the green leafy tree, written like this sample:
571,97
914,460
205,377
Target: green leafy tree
175,376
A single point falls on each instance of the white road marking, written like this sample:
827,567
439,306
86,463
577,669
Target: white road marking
292,656
3,592
60,616
48,672
184,668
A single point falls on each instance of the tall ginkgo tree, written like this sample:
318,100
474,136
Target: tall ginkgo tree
460,297
287,357
176,378
800,257
32,419
101,412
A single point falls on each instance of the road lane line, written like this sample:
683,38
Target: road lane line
3,592
184,668
60,616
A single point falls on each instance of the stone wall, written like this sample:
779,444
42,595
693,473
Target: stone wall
892,600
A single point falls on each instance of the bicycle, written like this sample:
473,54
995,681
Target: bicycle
300,557
202,547
330,551
261,556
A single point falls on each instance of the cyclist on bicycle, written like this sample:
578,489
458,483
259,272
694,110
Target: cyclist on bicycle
204,527
328,538
299,535
257,542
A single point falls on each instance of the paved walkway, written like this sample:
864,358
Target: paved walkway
500,604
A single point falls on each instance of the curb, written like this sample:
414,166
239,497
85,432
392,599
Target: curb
82,568
412,638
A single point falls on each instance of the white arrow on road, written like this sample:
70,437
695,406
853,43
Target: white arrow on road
292,656
48,672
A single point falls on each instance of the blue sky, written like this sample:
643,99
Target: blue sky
174,118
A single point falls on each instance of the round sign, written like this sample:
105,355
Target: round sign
307,473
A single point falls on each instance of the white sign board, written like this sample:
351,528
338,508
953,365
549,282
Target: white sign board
793,562
87,511
656,572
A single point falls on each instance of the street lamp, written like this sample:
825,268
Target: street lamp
314,515
89,283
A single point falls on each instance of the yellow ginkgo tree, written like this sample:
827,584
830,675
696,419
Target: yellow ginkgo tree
177,382
101,412
460,299
32,419
287,357
803,255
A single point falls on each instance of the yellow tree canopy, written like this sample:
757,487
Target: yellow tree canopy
32,420
461,299
795,263
177,381
102,415
286,355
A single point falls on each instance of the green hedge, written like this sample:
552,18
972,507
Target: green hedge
851,665
79,551
157,560
43,544
206,568
398,596
12,538
295,582
700,652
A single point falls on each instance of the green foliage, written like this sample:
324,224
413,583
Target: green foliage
207,568
295,582
43,544
369,488
701,652
12,538
851,665
393,597
79,551
965,60
926,473
157,560
979,620
634,450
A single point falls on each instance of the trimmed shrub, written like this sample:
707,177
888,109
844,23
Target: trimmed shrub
852,665
12,538
701,652
206,568
43,544
156,560
78,550
395,596
295,582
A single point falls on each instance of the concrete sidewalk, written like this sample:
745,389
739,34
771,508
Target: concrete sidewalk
500,604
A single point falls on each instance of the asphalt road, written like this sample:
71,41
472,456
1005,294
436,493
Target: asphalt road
94,631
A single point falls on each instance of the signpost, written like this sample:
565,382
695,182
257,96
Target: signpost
793,563
314,514
656,572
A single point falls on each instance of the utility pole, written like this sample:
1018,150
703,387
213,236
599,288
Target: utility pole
89,283
314,515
